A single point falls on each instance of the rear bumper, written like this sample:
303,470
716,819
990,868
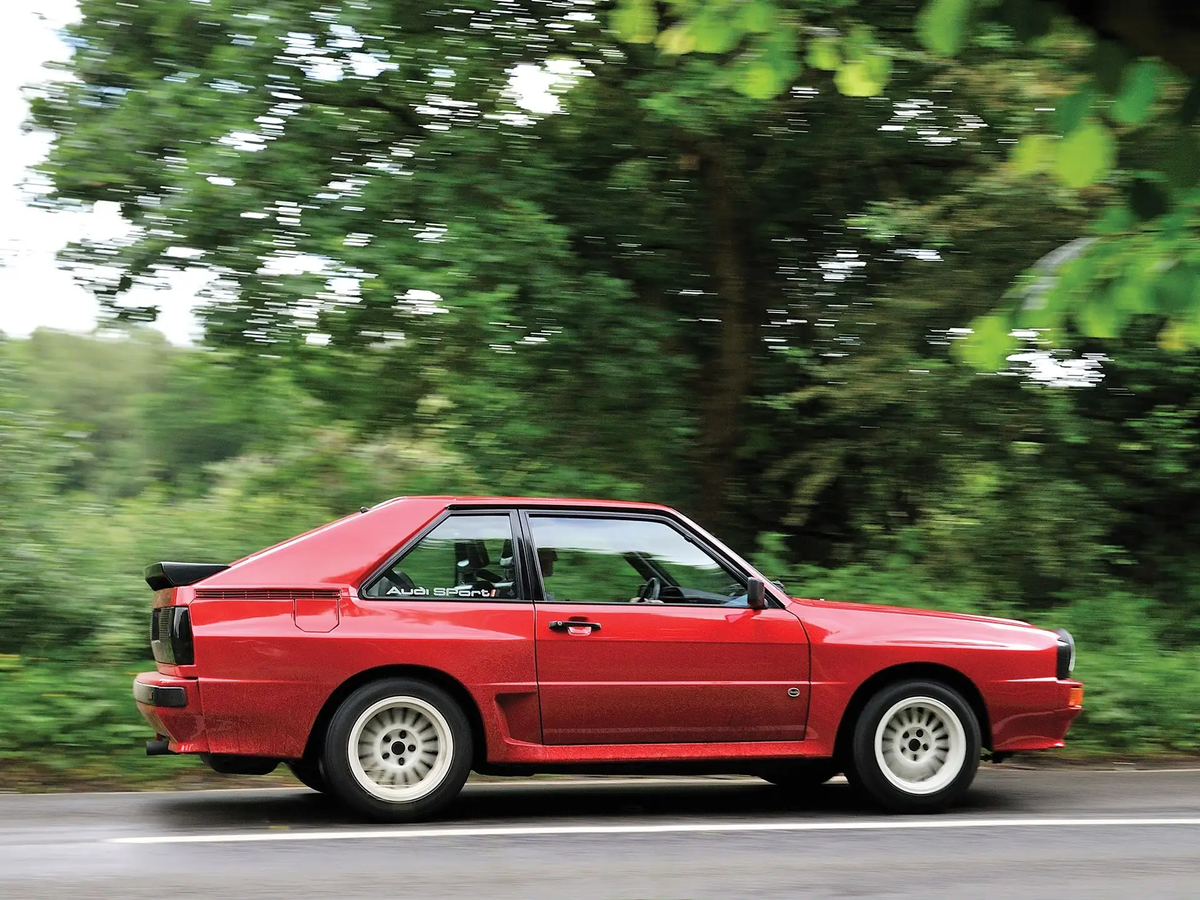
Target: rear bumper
172,707
1037,714
158,695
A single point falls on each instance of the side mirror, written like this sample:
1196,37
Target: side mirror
756,594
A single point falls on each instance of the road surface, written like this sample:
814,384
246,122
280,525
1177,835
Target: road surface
1023,834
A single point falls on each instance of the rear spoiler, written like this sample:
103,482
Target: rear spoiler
162,575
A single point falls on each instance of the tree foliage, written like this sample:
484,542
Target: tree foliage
1122,135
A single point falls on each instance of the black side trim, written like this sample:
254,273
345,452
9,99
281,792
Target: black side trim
175,697
163,575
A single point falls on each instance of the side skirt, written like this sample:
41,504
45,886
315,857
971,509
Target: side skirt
729,756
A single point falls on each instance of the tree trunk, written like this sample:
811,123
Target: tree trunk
729,380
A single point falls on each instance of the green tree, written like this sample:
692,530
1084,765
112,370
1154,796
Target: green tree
590,291
1122,138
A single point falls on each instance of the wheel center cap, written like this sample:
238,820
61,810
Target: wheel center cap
914,745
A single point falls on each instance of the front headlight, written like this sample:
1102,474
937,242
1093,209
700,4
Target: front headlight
1066,654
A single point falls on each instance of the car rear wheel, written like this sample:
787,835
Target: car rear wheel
398,750
800,775
308,773
916,747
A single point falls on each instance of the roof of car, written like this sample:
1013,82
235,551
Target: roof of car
534,501
348,549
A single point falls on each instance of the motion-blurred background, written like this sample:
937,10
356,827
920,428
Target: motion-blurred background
901,298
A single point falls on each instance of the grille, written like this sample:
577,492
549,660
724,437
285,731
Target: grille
267,594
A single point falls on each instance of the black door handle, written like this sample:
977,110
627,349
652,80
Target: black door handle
560,625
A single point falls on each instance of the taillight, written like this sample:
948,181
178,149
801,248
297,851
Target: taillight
171,636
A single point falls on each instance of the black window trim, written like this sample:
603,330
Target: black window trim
523,582
685,528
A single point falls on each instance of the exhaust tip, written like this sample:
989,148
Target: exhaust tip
158,747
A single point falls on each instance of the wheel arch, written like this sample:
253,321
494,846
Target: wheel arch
947,675
451,685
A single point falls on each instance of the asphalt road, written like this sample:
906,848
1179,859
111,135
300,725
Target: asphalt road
1023,834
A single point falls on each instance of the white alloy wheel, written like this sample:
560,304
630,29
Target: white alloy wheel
400,749
920,745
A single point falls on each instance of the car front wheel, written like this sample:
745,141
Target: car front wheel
398,750
916,747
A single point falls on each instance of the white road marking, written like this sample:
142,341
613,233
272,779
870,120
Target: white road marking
672,828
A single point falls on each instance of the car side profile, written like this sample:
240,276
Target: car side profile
385,656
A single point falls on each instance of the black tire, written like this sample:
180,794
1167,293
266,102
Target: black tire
351,788
308,773
869,773
802,774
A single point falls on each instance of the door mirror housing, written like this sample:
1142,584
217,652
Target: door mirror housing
756,594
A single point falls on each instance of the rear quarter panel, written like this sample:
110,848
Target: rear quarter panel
267,666
263,680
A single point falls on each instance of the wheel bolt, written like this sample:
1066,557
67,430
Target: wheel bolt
412,748
387,756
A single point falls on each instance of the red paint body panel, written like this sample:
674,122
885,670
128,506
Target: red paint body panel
1010,663
315,616
656,683
671,674
184,725
264,681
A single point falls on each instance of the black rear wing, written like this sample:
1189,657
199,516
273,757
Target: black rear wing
162,575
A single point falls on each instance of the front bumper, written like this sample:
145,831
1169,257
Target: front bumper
1034,714
172,707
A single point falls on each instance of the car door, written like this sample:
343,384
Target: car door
692,664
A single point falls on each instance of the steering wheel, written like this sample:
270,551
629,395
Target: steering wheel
648,592
484,576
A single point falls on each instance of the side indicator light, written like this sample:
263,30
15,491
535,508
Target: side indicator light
1075,698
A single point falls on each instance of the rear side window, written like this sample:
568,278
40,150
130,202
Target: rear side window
463,558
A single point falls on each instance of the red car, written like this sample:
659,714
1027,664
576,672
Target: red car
384,656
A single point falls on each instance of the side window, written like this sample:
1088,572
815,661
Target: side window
465,557
596,560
